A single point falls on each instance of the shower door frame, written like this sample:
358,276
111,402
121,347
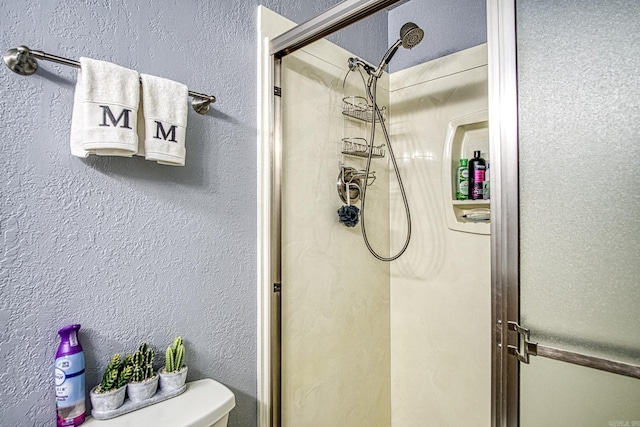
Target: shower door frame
505,262
504,202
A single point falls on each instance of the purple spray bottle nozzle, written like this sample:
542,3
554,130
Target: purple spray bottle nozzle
69,342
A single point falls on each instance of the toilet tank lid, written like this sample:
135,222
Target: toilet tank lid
202,404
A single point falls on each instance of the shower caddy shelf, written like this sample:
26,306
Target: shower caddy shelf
357,108
359,147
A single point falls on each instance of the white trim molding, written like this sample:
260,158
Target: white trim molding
264,183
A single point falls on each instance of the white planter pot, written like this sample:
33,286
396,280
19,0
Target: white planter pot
107,401
142,390
170,381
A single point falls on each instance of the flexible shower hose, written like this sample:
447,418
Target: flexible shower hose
378,113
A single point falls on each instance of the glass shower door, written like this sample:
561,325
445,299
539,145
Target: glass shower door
578,97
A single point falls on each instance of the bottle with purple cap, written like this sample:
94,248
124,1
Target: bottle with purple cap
69,378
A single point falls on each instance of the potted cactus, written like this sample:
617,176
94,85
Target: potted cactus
109,394
174,373
143,383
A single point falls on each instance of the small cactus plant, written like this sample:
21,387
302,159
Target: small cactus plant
142,363
174,356
116,374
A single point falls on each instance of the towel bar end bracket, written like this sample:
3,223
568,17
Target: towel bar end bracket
201,106
21,60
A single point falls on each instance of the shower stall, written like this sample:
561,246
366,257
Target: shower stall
435,337
363,337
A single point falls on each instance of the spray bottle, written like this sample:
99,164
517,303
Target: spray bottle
69,378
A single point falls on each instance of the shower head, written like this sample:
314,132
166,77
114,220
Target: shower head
410,35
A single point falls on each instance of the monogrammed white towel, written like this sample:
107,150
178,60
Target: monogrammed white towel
105,110
164,107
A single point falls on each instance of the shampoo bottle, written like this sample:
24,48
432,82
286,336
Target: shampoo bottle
476,176
462,180
69,378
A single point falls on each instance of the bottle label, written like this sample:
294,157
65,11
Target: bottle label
478,181
462,190
70,385
477,191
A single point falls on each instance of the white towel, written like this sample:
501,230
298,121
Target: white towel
105,110
164,107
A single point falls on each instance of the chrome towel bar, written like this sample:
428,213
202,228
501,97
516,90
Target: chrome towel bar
22,60
535,349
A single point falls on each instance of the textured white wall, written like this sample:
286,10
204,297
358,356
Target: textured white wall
132,250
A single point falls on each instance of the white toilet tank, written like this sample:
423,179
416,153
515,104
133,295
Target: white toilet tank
205,403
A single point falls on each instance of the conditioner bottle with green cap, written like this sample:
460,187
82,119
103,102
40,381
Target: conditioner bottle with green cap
462,180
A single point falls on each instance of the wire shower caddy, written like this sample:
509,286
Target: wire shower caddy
357,116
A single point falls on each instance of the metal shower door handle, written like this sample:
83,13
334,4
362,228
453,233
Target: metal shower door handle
529,348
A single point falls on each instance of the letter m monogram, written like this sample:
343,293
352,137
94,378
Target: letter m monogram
108,114
168,135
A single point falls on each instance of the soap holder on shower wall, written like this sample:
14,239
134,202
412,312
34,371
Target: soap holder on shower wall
465,135
358,108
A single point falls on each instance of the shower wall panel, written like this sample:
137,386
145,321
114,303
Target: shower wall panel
335,295
441,287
